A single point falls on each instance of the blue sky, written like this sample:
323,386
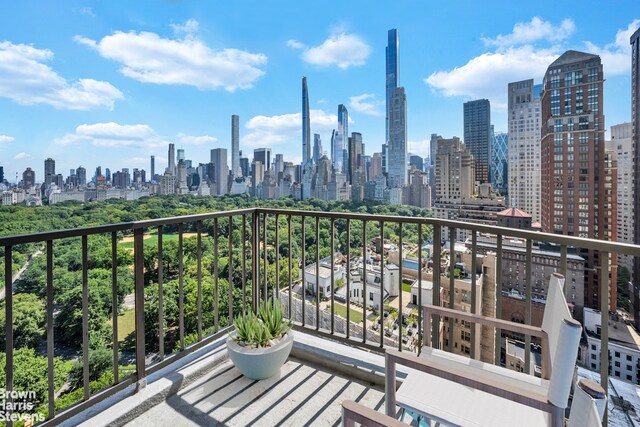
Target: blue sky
111,83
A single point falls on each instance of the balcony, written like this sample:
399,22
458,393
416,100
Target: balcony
192,274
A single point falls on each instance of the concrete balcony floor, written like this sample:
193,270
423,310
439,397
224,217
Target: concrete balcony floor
205,389
302,394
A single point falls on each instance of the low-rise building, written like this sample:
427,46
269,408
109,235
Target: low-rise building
624,346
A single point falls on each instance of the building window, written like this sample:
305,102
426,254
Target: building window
593,356
617,353
593,346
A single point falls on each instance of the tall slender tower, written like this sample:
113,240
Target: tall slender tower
635,136
317,148
524,146
306,127
49,170
393,72
477,135
172,159
574,189
397,160
153,168
235,146
340,141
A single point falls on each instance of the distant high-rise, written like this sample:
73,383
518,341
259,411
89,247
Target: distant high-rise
416,162
81,176
454,170
575,199
356,152
172,159
1,174
153,167
180,154
375,169
635,123
49,170
477,135
385,158
28,178
306,126
499,162
235,146
524,114
392,73
221,170
317,148
279,164
397,161
263,155
340,141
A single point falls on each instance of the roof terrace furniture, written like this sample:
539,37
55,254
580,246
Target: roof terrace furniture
456,390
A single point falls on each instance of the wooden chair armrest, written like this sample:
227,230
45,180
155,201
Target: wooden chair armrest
353,412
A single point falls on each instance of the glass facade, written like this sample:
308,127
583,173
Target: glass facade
499,161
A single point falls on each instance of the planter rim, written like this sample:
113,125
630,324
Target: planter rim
234,346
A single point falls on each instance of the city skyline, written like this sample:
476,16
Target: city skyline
105,111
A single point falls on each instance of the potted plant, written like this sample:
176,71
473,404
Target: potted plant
260,343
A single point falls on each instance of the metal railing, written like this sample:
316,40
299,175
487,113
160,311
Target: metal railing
268,241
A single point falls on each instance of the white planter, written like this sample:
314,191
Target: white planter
259,363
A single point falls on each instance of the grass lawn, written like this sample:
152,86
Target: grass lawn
152,239
341,310
406,287
126,324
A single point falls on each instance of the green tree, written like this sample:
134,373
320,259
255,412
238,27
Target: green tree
28,321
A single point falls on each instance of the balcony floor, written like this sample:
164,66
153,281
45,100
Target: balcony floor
302,394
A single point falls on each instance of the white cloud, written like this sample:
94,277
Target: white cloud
342,50
22,156
196,140
270,131
419,148
535,30
6,139
189,27
295,44
113,135
615,56
26,79
366,104
150,58
87,11
487,75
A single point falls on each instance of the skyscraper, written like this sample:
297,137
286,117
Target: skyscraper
454,170
574,198
28,178
356,151
397,161
235,146
221,170
375,169
477,135
499,161
263,155
153,167
392,73
317,148
81,176
635,123
340,141
172,159
49,170
306,127
180,154
524,114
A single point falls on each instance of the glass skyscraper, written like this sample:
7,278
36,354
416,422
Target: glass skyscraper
340,141
477,135
393,72
306,128
397,162
499,163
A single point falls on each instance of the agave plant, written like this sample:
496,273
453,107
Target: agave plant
258,330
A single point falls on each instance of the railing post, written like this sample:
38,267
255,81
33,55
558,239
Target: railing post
138,238
255,260
604,327
8,327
